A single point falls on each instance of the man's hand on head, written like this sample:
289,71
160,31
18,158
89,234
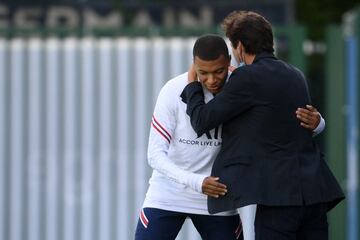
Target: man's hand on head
309,117
192,76
231,68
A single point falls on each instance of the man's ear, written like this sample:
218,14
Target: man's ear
237,49
240,46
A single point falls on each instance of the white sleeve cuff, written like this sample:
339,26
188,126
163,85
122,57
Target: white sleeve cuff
320,127
196,181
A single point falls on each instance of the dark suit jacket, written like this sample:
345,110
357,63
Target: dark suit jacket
266,156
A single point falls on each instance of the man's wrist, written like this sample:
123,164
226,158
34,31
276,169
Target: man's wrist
196,181
320,127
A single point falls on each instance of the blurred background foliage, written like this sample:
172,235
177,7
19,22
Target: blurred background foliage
316,16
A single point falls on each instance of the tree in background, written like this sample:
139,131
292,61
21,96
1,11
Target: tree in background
316,16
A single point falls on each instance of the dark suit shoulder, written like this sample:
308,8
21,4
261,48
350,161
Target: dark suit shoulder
242,70
239,76
241,81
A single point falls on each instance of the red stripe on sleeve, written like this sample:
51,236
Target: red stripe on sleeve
159,131
168,134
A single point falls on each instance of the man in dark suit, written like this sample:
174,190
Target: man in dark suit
266,158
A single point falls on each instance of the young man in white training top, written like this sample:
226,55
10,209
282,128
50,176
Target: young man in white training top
182,161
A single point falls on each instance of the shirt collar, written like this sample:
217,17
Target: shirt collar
263,55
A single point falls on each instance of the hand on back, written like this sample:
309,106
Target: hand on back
213,188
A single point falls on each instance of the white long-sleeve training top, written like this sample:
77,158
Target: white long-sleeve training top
179,158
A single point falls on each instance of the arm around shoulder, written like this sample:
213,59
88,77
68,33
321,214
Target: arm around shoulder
235,98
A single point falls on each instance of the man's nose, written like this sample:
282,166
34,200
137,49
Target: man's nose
211,78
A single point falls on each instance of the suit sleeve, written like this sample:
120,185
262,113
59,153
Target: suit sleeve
320,128
163,125
235,98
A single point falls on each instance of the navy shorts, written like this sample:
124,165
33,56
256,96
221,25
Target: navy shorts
165,225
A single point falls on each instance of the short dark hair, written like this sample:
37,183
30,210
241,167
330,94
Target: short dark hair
251,29
210,47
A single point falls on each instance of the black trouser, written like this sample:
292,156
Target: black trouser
158,224
291,223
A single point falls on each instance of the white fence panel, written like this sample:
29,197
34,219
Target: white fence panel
74,123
